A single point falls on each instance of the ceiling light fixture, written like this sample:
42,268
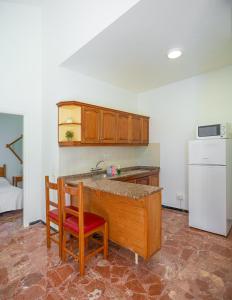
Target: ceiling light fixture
174,53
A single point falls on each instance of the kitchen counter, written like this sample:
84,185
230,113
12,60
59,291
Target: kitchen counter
135,225
104,183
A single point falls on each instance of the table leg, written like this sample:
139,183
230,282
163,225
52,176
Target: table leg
136,258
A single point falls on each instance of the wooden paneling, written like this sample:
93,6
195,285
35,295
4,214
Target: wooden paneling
91,125
154,213
125,218
132,224
123,128
145,130
108,126
136,130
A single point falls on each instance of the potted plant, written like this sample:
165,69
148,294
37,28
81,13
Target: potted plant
69,135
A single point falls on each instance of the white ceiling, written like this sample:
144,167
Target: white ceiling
131,53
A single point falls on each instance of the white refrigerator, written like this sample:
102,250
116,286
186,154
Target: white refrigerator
210,185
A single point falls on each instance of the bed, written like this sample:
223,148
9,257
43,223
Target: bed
11,197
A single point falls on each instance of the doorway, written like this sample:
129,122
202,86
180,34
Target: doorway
11,168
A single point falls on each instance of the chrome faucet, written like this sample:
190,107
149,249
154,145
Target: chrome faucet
97,166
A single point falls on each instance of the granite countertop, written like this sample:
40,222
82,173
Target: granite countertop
107,184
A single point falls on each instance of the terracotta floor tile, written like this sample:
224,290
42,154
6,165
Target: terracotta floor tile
192,264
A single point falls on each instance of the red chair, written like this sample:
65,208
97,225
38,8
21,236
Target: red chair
80,225
54,216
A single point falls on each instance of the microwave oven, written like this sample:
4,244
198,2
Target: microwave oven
213,131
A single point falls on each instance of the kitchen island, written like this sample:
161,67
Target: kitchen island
132,210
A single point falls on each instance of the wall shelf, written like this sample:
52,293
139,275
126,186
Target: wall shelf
69,123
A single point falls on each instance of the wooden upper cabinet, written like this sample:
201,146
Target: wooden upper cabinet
136,129
145,130
108,126
123,128
91,125
82,124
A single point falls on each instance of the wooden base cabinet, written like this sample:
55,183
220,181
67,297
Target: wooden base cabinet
143,180
150,178
81,124
133,223
154,180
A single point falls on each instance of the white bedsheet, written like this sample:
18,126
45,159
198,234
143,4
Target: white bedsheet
11,197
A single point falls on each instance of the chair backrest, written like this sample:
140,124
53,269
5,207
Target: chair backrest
51,186
72,191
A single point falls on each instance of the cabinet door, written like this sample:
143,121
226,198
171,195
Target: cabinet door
136,130
108,126
143,180
145,130
123,128
91,125
132,180
154,180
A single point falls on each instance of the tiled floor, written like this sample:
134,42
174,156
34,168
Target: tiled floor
191,265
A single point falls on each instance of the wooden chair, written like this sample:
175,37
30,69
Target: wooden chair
53,216
16,180
80,225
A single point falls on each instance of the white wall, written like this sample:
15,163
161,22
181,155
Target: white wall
11,127
175,109
20,90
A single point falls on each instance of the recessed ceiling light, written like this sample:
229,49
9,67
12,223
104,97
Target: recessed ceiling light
174,53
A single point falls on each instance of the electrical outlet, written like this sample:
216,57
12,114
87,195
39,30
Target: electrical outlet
179,197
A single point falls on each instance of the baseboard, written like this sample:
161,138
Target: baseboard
36,222
175,208
42,222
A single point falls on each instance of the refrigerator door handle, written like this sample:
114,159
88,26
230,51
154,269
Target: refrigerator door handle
207,165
